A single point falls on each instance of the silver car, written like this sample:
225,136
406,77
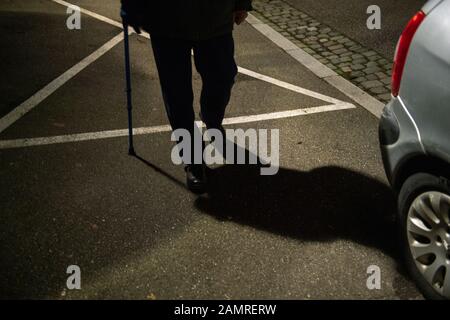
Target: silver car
415,144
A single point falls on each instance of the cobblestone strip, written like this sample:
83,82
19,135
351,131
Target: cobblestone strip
362,66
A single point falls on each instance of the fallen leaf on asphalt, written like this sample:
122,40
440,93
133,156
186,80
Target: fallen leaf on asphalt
151,296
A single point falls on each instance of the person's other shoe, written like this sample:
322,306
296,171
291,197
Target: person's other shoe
196,178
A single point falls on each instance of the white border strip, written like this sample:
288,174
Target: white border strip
45,92
22,143
349,89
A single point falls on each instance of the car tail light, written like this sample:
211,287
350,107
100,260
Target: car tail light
401,52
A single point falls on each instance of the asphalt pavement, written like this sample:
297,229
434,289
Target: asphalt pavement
309,232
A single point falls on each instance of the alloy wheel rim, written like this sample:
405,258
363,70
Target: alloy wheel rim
428,230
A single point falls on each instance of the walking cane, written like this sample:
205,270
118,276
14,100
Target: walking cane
131,151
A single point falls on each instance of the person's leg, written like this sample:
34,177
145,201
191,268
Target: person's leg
214,60
173,60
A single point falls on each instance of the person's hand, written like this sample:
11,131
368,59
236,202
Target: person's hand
136,28
131,15
240,16
132,22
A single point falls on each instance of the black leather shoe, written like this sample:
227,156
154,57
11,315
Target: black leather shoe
196,178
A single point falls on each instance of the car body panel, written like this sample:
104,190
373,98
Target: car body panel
422,109
407,145
430,5
425,87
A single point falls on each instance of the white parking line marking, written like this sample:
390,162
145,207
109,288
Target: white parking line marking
349,89
21,143
288,114
92,14
288,86
368,102
45,92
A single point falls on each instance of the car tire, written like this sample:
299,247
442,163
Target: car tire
415,186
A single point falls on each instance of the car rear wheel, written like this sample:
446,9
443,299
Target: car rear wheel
424,208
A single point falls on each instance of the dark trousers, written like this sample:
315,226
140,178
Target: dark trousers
214,60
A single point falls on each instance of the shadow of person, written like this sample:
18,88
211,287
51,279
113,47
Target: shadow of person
324,204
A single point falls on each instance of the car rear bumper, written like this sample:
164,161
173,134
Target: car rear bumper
399,138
